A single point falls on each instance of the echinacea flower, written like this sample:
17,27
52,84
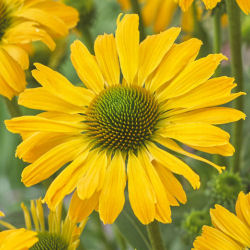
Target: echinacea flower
230,231
22,22
61,234
113,131
210,4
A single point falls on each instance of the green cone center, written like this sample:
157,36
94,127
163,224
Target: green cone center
49,241
122,118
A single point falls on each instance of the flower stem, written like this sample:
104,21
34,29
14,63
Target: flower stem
233,12
155,236
13,107
136,9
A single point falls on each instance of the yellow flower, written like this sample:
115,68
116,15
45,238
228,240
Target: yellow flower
230,231
112,131
210,4
22,22
61,234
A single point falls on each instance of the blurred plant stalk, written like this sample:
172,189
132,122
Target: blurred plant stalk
137,9
233,12
12,107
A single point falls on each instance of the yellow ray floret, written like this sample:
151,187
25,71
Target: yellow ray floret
118,131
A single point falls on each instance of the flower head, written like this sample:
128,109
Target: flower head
113,131
22,22
230,231
61,234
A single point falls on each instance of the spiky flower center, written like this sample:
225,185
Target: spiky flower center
49,241
122,118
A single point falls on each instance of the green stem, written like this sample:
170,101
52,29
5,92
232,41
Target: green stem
155,236
88,40
233,12
13,107
136,9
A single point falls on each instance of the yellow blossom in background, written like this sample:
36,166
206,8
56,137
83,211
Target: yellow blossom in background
22,22
230,231
112,132
61,234
210,4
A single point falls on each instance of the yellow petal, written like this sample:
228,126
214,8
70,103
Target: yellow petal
86,67
230,224
168,143
171,184
175,165
81,209
18,53
210,4
242,208
36,123
196,134
162,206
107,58
141,194
192,76
5,89
244,5
61,87
92,180
66,181
127,43
112,194
178,57
152,50
217,115
51,161
150,11
42,99
165,14
185,4
2,213
213,238
11,72
205,94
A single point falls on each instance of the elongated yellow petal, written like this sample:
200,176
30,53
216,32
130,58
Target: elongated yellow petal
107,58
171,184
217,115
112,194
36,123
178,57
92,180
168,143
192,76
205,94
81,209
175,165
127,43
2,213
162,206
244,5
213,238
17,53
51,161
196,134
152,50
210,4
242,208
230,224
42,99
66,181
86,67
61,87
150,11
141,193
185,4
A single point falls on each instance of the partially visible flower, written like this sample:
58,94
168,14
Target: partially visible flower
63,234
230,231
22,22
210,4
